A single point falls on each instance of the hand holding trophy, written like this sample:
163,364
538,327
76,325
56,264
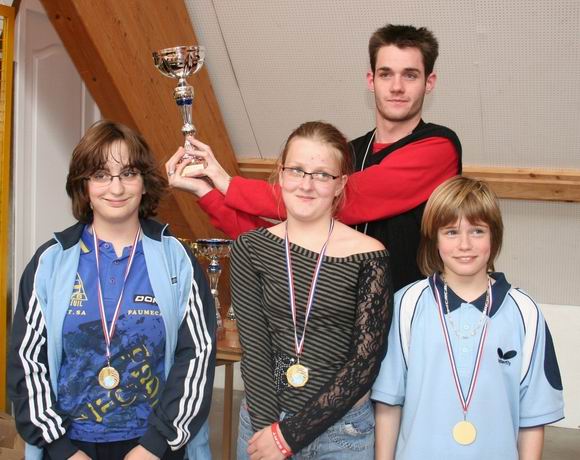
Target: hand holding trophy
181,62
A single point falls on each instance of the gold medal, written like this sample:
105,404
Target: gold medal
464,433
109,377
297,375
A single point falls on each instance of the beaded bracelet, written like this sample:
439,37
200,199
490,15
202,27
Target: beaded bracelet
277,439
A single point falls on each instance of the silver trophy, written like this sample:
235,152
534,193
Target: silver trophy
181,62
213,250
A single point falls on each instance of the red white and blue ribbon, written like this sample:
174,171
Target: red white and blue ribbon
464,400
109,331
299,344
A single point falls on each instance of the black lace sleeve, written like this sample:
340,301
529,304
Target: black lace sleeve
369,345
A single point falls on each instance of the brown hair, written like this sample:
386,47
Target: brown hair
405,37
326,134
91,155
458,197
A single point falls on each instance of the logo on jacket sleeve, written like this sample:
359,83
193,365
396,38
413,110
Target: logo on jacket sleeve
504,358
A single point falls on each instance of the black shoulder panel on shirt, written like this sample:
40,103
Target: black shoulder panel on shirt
551,368
422,131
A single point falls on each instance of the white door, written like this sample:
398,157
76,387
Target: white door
52,110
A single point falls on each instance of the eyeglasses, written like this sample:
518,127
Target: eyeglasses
127,176
299,174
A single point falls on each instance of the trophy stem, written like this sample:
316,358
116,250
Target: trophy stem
214,271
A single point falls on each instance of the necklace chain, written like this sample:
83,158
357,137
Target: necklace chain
456,330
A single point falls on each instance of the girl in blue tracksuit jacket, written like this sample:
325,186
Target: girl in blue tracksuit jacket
112,352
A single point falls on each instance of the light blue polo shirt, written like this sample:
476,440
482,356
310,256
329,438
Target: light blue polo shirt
519,381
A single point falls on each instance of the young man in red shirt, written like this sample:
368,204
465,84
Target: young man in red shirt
397,164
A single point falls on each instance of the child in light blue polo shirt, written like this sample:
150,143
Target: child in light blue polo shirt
470,371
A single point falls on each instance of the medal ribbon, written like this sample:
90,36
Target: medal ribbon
109,332
465,401
299,344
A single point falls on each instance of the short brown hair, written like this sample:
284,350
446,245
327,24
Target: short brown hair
329,135
405,37
91,155
458,197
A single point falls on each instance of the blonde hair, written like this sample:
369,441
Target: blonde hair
325,134
456,198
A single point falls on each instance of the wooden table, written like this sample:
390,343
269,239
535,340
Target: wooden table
229,352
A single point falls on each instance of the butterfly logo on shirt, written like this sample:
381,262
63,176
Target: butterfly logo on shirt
504,358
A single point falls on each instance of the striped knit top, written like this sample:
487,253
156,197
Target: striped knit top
345,338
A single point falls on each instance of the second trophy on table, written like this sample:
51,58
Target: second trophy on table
215,249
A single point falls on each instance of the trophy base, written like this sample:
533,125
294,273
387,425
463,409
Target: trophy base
192,169
230,324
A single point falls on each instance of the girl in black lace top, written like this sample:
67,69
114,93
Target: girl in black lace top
313,300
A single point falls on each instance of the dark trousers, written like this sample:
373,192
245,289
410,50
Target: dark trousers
116,450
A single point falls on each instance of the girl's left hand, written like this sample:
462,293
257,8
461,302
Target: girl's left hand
140,453
263,446
218,175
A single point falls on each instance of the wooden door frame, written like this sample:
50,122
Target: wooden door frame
8,14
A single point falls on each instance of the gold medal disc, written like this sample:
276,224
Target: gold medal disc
297,375
109,377
464,433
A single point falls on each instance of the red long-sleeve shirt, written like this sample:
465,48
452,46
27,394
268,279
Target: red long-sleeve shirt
402,181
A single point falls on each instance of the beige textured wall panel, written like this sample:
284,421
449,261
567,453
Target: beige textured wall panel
529,54
507,71
209,34
541,252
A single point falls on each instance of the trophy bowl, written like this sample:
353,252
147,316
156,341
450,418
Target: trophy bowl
213,249
179,62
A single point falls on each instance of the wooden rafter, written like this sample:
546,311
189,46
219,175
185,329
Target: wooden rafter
110,43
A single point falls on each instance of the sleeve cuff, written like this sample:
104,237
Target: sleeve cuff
207,201
61,448
546,419
233,193
154,442
386,398
288,438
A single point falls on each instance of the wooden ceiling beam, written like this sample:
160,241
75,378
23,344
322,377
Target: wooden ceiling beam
110,43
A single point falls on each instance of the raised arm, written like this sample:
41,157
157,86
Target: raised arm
399,183
402,181
231,221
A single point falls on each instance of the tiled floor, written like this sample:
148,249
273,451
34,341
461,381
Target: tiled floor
560,443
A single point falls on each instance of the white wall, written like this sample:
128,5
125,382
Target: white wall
564,324
52,110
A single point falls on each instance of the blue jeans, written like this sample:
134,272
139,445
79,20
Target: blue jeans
353,436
